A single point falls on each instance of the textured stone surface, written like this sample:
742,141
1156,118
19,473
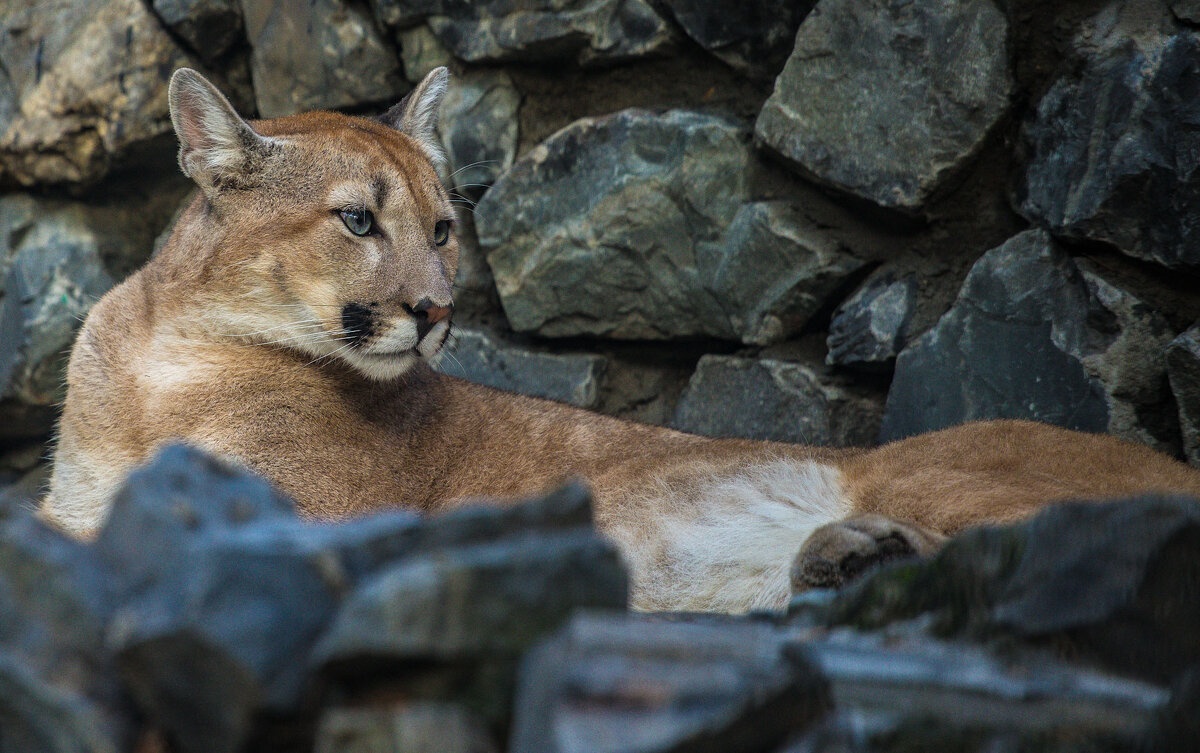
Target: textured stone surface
1035,334
1186,10
317,55
480,357
1106,582
780,400
870,328
589,31
1113,152
209,27
421,52
83,88
638,226
627,683
908,92
1183,369
753,36
56,259
419,727
478,127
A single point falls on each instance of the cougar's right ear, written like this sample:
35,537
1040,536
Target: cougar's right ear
215,144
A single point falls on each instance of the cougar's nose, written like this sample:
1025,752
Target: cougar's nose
428,314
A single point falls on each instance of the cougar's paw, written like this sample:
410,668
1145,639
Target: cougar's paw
837,553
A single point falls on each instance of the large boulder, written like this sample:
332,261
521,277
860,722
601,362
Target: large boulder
1183,369
752,36
1037,334
631,683
888,100
640,226
318,54
57,258
1106,582
84,88
1112,152
587,31
480,357
785,401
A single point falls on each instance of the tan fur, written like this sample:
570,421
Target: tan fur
229,339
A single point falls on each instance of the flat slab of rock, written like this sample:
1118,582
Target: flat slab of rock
608,684
639,226
479,357
887,100
1036,334
783,401
1113,153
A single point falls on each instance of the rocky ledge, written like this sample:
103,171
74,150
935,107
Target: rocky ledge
206,616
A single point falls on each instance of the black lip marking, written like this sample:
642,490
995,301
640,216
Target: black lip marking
358,322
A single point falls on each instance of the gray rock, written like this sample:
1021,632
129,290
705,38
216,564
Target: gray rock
637,226
479,357
1112,152
84,88
210,27
1037,704
870,328
421,52
777,400
631,683
56,259
1186,10
1105,582
318,54
478,127
753,37
1183,369
908,93
411,728
773,270
588,31
1035,334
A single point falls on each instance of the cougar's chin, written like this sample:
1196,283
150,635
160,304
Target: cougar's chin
388,358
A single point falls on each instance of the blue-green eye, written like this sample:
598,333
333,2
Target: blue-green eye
358,221
441,232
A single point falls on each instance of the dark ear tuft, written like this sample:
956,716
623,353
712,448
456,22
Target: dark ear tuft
214,142
417,114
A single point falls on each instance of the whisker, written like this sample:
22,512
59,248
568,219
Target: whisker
473,164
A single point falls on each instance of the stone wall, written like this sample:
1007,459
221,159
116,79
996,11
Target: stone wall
831,222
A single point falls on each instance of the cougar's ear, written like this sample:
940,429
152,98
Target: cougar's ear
417,114
215,144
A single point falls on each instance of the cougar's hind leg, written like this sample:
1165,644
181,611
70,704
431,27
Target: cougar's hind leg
838,553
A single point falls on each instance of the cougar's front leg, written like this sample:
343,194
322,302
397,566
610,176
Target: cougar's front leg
837,553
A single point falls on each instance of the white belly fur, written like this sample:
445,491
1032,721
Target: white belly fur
728,544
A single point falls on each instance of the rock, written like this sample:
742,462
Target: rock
777,400
478,127
210,28
1036,334
38,716
479,357
491,31
1183,369
421,52
86,88
630,683
870,328
56,259
1105,582
1112,152
412,728
638,226
773,271
752,37
908,93
1020,704
1186,10
318,54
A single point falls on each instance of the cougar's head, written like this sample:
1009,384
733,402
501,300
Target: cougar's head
327,234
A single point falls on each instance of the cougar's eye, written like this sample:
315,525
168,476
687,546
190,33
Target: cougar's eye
441,232
358,221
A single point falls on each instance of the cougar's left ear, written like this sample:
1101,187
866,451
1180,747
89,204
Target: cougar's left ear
417,114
